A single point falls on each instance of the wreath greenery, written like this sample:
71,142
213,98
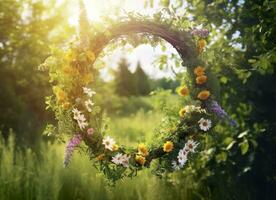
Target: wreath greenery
75,104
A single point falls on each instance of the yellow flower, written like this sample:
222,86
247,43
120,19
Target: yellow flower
66,105
69,70
87,78
168,146
60,94
142,149
183,91
70,55
140,159
90,55
182,112
201,79
203,95
101,157
115,147
199,71
201,44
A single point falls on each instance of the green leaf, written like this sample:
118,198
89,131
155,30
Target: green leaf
230,145
244,147
228,140
241,135
221,157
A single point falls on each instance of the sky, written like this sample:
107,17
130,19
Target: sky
143,53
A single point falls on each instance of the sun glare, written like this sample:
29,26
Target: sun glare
96,9
144,53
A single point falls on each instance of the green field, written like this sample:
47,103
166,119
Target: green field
29,174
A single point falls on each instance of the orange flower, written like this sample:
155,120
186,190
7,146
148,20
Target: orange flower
101,157
168,146
201,44
201,79
203,95
142,149
140,159
182,112
183,91
199,71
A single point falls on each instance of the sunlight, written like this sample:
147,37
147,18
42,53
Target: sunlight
95,9
145,54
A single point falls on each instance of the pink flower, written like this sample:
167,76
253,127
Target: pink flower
90,131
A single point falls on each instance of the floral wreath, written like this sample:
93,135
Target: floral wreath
73,77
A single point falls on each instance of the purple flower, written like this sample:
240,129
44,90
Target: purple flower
72,144
213,106
203,33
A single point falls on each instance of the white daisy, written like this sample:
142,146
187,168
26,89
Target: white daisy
79,117
190,146
76,112
125,160
88,105
175,166
88,91
192,108
108,143
117,159
182,157
205,124
82,124
120,159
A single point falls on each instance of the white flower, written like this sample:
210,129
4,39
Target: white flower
108,143
175,166
125,160
205,124
88,105
182,157
79,118
88,91
76,112
82,124
190,146
120,159
117,159
192,108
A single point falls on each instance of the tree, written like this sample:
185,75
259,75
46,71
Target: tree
244,57
24,44
142,81
124,80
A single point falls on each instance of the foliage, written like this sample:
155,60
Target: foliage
26,31
244,31
72,73
29,174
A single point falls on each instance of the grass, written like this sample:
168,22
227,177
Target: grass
29,174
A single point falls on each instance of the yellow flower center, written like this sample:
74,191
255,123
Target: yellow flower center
168,146
142,149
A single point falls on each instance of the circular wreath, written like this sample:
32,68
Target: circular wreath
74,79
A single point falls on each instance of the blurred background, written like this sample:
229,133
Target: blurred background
237,163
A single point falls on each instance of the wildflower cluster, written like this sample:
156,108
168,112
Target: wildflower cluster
75,104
